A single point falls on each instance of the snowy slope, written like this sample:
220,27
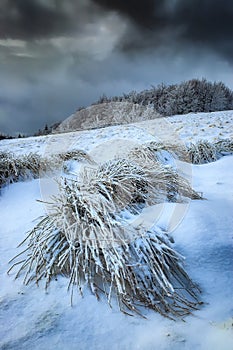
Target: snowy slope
33,319
182,128
103,114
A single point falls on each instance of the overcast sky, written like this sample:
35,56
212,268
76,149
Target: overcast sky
58,55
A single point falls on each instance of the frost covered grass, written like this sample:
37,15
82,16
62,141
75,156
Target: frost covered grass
204,151
62,160
178,150
224,146
14,168
198,152
167,184
84,238
77,155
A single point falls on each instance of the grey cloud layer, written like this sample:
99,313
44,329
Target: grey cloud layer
155,22
40,19
206,23
57,55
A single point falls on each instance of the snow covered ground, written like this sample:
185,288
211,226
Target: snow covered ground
33,319
179,128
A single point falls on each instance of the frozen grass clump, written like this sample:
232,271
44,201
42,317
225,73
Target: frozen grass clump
60,160
122,181
178,150
167,184
127,181
172,186
200,152
203,152
13,168
78,155
82,237
143,155
224,146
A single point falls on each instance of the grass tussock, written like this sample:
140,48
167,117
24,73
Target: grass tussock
83,238
78,155
167,184
200,152
161,152
203,152
19,168
13,169
224,146
178,151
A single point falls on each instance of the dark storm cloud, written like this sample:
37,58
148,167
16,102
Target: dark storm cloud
208,23
204,23
146,14
151,23
36,19
30,19
58,55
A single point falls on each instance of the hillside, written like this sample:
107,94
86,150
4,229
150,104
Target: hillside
106,114
202,230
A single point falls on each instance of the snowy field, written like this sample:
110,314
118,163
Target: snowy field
179,128
31,318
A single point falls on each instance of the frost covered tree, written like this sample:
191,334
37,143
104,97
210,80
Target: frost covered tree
190,96
219,97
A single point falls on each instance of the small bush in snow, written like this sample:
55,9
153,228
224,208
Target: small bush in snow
84,238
